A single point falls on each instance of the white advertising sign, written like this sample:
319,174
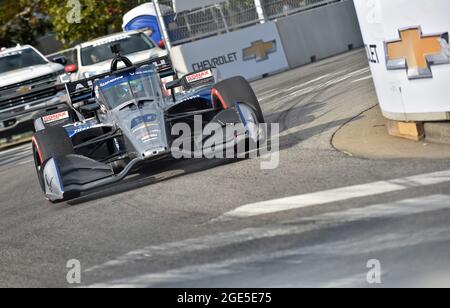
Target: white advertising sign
187,5
407,43
251,52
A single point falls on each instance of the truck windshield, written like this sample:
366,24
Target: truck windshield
101,51
141,84
15,60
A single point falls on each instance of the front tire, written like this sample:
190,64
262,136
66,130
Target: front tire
49,143
38,166
251,120
237,93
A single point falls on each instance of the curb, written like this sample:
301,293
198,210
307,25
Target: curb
366,137
438,132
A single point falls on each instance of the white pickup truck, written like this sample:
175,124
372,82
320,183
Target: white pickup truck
94,57
29,84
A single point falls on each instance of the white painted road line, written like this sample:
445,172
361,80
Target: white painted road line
26,147
357,245
389,210
339,194
362,79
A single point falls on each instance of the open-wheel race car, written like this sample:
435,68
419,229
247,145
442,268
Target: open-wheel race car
117,121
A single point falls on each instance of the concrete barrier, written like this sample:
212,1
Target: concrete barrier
320,33
251,52
274,46
409,53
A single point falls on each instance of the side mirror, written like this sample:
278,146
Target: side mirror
60,60
71,68
172,85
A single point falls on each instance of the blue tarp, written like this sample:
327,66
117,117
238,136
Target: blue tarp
146,21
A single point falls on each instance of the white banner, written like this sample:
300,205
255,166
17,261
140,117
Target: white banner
407,43
187,5
251,52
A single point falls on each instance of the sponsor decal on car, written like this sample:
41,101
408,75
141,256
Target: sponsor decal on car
148,118
55,117
81,127
199,76
80,86
49,183
110,81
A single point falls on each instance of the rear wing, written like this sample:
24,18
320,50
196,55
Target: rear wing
83,90
163,66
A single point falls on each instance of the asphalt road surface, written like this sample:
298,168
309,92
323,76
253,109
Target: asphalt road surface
315,221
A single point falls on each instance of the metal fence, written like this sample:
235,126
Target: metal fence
279,8
229,16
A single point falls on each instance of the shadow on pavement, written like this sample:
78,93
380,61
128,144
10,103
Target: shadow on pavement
148,175
152,173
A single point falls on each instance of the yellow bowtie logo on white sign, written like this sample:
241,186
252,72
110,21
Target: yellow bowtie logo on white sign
416,52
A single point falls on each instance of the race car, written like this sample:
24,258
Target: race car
115,122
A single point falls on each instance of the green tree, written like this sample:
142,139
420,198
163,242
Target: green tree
21,22
97,18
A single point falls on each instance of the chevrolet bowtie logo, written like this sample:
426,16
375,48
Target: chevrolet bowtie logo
23,90
416,52
260,50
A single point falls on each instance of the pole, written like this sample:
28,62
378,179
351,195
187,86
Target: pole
224,20
162,25
260,11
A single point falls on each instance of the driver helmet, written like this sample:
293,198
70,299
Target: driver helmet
123,90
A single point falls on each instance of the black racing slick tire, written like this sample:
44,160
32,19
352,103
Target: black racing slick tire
236,90
237,93
48,143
